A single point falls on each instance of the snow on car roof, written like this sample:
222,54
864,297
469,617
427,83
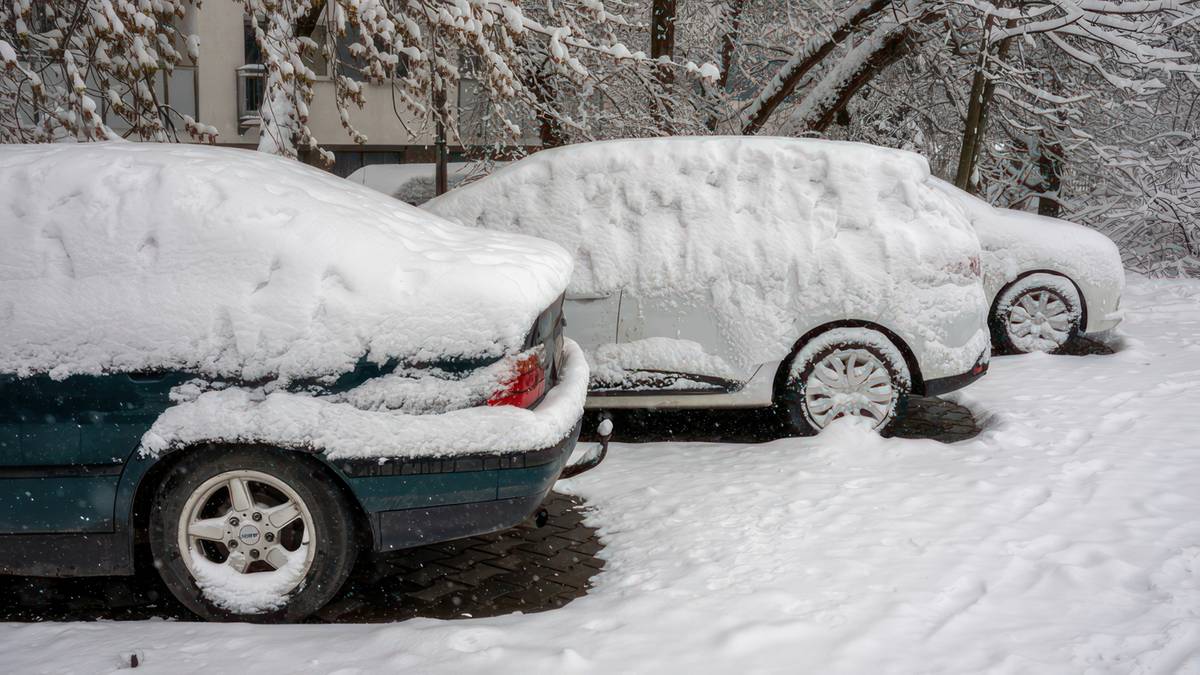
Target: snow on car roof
128,256
659,212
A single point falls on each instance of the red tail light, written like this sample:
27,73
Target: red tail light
971,267
525,386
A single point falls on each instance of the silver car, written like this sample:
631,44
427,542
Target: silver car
828,278
1047,280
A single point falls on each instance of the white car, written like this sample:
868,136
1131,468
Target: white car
1047,280
721,272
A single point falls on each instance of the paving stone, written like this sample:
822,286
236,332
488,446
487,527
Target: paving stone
477,574
546,547
564,561
469,558
438,589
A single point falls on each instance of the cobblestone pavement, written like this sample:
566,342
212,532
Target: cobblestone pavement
526,569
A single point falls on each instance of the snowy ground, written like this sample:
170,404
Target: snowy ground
1064,538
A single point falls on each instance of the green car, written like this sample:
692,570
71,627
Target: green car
253,386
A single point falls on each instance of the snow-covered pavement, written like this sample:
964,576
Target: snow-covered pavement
1064,538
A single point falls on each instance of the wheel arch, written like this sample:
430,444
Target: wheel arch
160,466
910,359
1083,309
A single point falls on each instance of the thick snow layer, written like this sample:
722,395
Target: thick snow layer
765,235
127,257
343,430
1064,539
612,363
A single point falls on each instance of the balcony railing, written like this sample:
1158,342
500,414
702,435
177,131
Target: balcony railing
251,85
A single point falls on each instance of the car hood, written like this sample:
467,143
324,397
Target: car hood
130,256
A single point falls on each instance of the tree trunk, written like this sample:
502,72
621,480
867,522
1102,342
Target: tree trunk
968,152
662,44
733,24
975,127
551,133
441,178
729,39
803,60
1050,160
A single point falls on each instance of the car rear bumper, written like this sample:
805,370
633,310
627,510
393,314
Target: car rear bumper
1104,322
945,385
425,501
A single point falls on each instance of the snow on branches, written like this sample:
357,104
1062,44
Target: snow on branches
92,69
419,48
78,69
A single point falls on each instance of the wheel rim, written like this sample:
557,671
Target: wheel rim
1039,321
249,522
849,382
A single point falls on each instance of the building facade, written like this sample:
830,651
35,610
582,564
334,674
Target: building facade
224,89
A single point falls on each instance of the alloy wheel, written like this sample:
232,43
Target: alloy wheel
248,521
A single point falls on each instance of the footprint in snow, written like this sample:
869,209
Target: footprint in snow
1118,422
952,602
1019,503
471,640
1120,399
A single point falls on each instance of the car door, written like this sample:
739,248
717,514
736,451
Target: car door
64,444
674,342
591,318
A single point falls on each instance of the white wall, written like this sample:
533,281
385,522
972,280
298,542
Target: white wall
222,49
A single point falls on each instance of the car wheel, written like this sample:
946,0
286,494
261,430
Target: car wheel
844,372
251,535
1038,313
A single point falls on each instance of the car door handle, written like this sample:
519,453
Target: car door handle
586,297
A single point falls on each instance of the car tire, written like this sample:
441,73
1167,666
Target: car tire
821,368
1037,313
288,546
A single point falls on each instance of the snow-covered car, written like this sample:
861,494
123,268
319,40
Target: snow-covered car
1047,280
262,371
829,278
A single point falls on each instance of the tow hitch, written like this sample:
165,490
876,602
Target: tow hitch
594,455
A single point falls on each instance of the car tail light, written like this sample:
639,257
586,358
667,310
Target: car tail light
526,384
971,267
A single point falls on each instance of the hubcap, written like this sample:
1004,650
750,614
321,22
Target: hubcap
849,382
248,521
1039,321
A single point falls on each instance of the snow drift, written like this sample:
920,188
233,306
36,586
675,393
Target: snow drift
771,236
131,257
